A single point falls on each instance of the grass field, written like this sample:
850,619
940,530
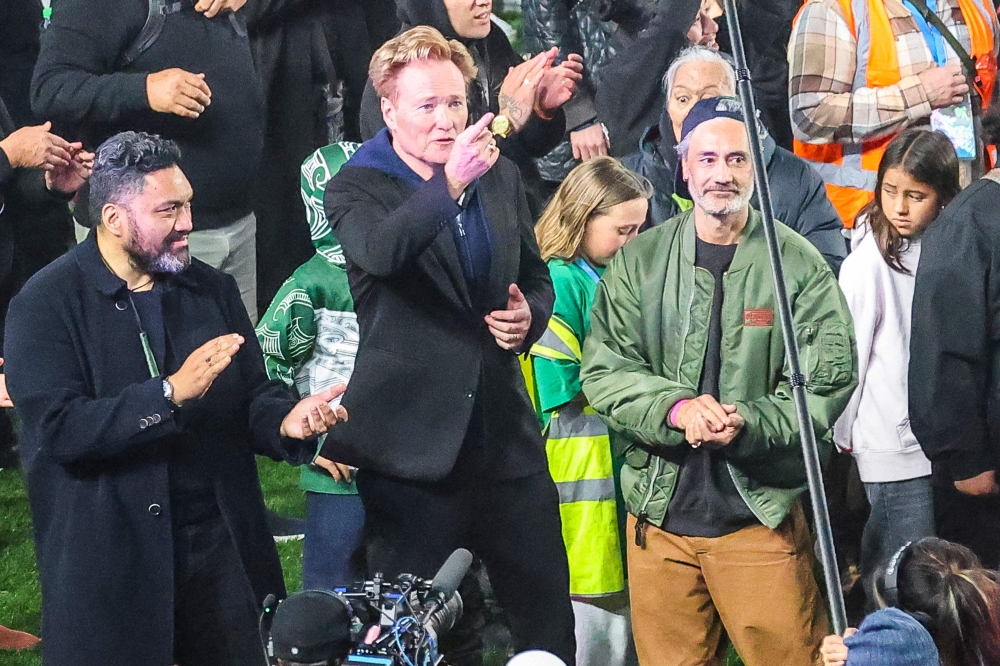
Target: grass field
20,597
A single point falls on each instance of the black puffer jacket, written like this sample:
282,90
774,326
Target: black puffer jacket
574,27
630,92
493,56
798,195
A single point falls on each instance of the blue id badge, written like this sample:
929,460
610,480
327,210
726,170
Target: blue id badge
956,123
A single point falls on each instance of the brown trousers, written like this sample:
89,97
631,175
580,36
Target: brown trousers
756,584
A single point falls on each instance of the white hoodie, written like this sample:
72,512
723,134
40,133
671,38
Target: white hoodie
875,427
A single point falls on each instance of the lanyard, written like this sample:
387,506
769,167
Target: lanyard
935,42
588,269
147,348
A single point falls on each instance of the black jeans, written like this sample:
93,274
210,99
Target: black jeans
215,617
513,526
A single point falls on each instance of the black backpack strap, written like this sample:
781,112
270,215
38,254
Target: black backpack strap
968,64
158,10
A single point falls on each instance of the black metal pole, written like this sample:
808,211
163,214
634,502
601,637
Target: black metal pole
814,474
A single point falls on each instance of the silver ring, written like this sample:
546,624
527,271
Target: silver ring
696,445
527,82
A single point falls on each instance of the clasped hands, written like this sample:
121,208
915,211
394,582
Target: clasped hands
707,423
311,416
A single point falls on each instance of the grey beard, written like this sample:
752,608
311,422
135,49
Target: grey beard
163,263
733,206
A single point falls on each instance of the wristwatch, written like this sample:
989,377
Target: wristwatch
168,393
501,126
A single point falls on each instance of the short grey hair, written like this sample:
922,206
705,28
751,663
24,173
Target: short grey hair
684,146
698,54
120,167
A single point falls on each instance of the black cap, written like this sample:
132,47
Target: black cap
711,108
312,626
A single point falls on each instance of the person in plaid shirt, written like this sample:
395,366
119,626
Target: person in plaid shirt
850,94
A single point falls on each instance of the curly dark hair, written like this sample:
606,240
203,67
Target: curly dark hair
121,164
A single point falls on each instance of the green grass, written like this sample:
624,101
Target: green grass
20,596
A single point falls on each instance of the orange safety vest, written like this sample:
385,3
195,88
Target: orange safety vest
850,169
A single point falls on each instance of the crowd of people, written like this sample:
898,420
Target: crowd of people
514,296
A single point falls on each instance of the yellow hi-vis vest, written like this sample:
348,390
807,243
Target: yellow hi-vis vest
850,169
579,454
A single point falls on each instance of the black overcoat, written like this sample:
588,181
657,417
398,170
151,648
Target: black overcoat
96,437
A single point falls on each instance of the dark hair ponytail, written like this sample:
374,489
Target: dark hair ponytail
946,589
925,156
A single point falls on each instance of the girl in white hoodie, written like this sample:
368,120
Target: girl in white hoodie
917,177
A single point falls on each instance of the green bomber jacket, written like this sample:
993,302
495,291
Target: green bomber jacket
646,348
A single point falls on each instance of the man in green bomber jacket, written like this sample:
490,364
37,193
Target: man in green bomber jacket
686,365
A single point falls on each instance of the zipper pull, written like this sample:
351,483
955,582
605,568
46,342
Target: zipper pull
461,227
641,522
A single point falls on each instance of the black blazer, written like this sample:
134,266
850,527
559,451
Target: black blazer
97,436
426,354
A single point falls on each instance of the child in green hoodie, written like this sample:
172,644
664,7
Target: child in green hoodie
309,336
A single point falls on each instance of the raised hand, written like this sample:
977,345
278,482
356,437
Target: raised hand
35,147
313,415
201,368
510,326
557,85
178,92
520,87
472,155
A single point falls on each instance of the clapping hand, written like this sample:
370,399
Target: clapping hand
519,89
557,85
313,415
510,327
202,366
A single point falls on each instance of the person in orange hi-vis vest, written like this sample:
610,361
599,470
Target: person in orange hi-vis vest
861,71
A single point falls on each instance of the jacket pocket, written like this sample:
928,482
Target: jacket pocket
829,356
907,440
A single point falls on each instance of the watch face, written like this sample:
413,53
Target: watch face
500,126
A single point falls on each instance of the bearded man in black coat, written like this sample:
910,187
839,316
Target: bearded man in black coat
140,416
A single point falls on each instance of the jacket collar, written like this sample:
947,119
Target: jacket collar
90,261
749,248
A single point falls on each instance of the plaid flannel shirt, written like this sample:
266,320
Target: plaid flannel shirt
822,55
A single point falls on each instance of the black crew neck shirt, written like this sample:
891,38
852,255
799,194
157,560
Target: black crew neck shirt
706,502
